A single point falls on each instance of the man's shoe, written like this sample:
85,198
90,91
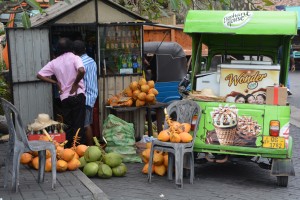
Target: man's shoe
289,92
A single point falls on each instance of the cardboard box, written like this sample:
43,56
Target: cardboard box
58,137
276,95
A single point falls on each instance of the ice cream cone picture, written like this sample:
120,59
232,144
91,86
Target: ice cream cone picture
225,121
247,131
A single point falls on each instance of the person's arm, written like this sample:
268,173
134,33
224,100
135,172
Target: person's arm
80,75
50,80
292,60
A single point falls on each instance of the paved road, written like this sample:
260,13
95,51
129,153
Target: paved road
242,181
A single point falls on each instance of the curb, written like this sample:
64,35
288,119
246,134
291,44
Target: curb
98,194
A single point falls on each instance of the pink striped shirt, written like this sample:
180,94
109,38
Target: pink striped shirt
65,69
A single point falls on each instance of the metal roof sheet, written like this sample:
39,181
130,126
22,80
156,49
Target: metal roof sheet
54,11
58,9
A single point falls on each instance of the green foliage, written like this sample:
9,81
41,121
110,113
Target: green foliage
3,87
4,90
26,20
34,4
268,3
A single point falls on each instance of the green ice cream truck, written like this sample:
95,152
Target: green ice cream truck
245,113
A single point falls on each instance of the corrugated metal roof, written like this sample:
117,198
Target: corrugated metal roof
54,11
297,9
62,7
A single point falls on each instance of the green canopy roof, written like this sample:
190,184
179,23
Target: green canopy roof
241,22
296,9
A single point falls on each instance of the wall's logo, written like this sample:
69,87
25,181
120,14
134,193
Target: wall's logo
237,19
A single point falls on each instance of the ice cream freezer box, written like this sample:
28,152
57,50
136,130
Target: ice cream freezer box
247,78
240,77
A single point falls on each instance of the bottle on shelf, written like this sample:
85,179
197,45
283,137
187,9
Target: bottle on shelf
107,46
129,61
50,129
139,63
122,43
134,64
124,61
120,66
55,129
116,43
61,130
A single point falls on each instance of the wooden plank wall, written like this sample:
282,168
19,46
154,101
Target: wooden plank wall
112,86
32,99
29,51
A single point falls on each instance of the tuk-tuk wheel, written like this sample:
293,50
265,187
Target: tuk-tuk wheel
282,181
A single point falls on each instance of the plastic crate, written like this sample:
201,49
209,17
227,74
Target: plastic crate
296,54
58,137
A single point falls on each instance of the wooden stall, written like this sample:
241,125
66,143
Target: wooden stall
109,31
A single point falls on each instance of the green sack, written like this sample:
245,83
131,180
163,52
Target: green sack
131,158
118,132
121,149
112,121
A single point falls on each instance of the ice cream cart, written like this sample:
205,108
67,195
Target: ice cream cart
248,115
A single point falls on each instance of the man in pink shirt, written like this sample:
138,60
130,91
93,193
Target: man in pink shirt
69,72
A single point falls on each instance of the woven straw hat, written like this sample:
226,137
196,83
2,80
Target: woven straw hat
42,121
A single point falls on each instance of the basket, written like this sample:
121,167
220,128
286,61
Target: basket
226,136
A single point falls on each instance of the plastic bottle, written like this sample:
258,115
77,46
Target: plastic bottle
139,63
134,64
119,62
124,61
129,61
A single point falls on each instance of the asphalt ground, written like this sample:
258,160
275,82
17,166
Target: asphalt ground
233,180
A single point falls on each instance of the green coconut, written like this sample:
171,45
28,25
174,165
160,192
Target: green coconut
99,162
113,159
91,169
119,170
104,171
124,167
93,153
82,162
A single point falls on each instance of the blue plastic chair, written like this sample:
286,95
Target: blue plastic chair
18,144
185,111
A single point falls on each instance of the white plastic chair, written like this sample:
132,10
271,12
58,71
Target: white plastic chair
18,144
185,111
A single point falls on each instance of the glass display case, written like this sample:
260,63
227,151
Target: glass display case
121,48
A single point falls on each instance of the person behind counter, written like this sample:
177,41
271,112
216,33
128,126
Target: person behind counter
260,99
250,98
91,88
240,98
69,72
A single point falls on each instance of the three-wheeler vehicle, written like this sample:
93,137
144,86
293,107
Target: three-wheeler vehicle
168,66
247,116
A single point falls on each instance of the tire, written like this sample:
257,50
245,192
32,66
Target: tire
282,181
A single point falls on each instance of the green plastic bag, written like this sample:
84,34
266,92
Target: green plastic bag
118,132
